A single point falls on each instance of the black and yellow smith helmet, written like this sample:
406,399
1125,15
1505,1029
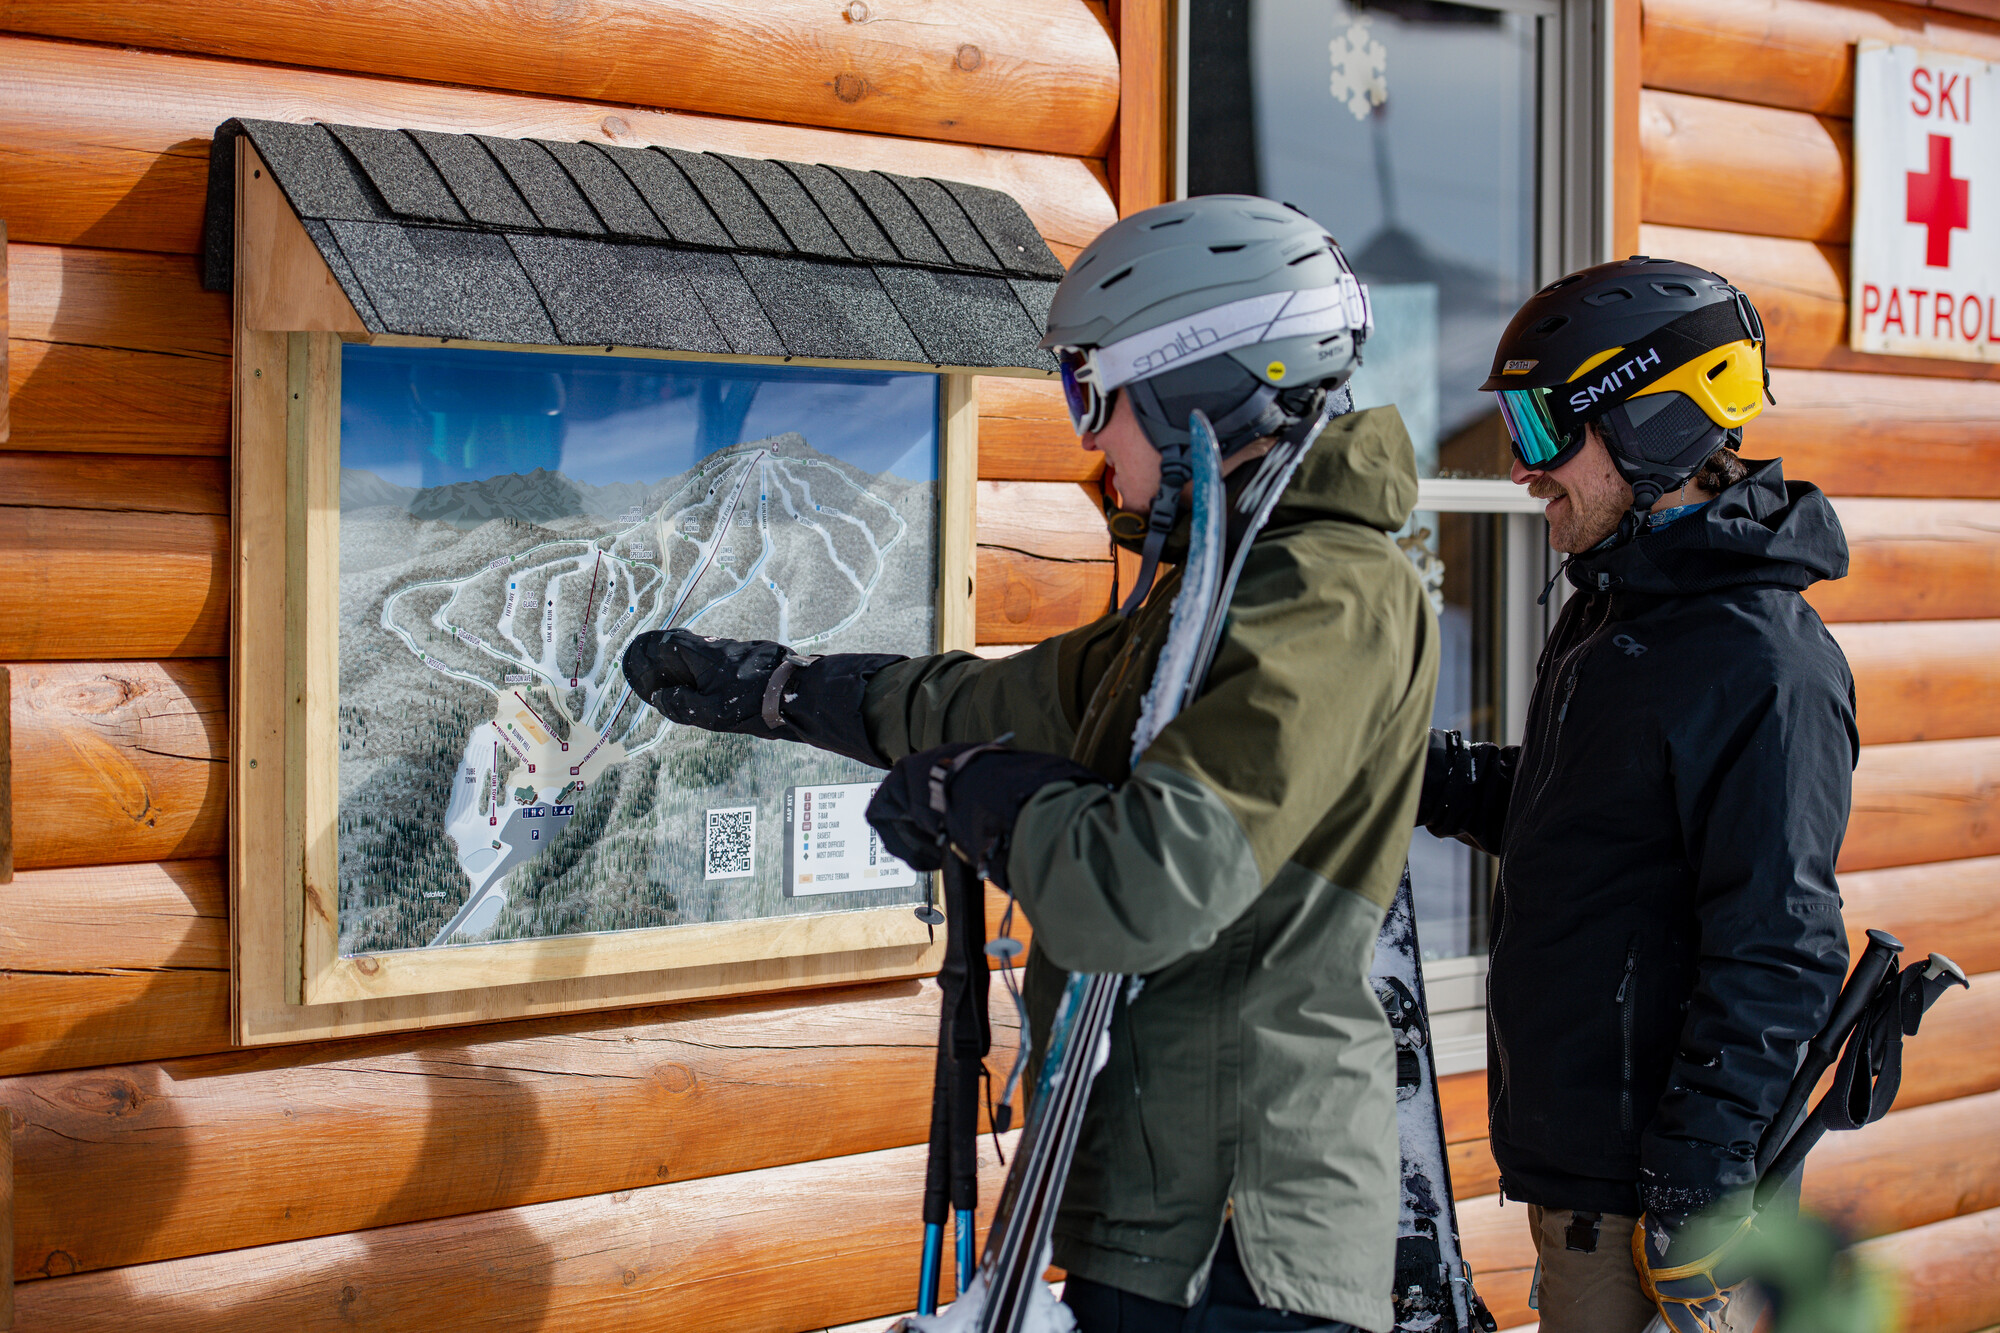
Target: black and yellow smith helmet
1666,358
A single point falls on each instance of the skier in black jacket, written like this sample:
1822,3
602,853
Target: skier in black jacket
1666,927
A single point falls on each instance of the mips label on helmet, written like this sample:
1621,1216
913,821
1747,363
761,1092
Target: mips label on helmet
1276,370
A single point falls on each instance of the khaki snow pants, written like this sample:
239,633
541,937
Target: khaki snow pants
1596,1289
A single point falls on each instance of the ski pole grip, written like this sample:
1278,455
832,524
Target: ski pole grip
1861,986
1822,1050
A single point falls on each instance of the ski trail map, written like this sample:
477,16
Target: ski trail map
498,778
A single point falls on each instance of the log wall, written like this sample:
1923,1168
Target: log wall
1743,127
750,1165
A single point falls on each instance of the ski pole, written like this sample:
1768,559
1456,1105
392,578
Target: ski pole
1901,1003
1862,983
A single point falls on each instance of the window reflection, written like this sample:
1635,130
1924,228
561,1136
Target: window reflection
1409,128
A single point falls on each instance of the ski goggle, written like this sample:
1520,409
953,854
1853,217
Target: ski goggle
1537,441
1089,406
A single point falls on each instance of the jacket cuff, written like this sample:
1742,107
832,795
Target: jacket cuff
821,703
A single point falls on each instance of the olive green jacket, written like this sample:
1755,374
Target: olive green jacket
1242,869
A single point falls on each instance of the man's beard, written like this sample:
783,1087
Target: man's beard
1580,522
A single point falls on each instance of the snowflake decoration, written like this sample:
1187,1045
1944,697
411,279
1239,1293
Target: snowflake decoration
1359,69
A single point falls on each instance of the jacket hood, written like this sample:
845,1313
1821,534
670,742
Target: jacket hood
1362,469
1763,530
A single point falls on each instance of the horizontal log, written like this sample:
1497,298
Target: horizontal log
1915,560
156,1161
1909,1169
1800,288
1056,520
1727,166
1923,681
1925,436
1924,801
791,1247
1500,1250
1944,1273
115,352
119,761
1036,74
1789,53
1957,1054
1025,599
112,482
140,917
109,147
1462,1098
91,584
77,1019
1473,1170
1025,435
1952,907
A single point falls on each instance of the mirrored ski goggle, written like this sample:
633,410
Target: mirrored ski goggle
1089,406
1537,441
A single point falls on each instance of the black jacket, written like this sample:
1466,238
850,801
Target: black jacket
1666,927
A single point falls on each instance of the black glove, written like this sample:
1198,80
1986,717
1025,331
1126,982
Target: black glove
964,798
757,688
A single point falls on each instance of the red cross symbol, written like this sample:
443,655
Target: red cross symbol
1938,202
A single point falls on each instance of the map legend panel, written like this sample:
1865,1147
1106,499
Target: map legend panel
830,847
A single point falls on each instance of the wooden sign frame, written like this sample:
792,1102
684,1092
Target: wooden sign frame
289,979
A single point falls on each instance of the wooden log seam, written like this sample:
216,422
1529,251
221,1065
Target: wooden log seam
1038,74
694,1254
1923,681
1915,560
1944,1272
1792,53
151,1161
109,148
1928,437
1924,801
1728,166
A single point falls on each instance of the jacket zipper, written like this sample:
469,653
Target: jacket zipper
1571,662
1626,1000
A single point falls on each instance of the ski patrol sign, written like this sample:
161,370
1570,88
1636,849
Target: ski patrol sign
1925,279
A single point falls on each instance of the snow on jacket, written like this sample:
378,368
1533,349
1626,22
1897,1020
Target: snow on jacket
1242,868
1666,927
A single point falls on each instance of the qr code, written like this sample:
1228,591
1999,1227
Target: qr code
730,849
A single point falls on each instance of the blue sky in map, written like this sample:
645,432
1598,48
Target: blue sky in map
430,416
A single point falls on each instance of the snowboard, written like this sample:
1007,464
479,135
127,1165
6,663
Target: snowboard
1433,1285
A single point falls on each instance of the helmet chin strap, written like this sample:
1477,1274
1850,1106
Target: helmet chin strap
1257,415
1175,472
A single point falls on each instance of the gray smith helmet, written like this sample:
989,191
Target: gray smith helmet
1242,308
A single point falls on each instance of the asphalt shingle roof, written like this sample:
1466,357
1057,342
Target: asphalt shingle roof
575,244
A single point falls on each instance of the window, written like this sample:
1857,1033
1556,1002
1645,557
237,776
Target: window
1453,150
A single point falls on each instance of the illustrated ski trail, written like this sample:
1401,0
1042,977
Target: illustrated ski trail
826,538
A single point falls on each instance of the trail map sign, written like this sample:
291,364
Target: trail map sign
508,522
1926,256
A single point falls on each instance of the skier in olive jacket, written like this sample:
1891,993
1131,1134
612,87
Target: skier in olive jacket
1666,928
1239,1162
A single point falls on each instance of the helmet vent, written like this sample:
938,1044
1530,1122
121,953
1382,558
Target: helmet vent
1718,367
1548,326
1225,249
1294,263
1166,222
1673,289
1610,296
1116,278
